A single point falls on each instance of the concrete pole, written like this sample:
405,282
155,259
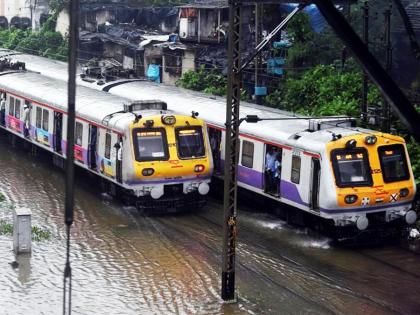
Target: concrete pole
365,87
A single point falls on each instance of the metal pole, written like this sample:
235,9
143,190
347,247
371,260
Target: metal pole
258,59
399,102
273,33
231,153
71,114
386,115
365,88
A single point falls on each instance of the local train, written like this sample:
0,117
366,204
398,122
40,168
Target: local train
157,159
350,176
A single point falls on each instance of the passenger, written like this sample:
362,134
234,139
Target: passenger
277,174
215,149
277,166
270,169
119,147
3,111
26,120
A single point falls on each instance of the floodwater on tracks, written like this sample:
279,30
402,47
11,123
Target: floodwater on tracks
124,262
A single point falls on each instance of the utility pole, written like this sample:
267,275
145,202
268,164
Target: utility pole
258,59
232,138
71,118
386,114
232,151
365,87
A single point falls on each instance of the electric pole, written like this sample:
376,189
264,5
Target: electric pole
386,114
232,152
365,87
232,141
258,59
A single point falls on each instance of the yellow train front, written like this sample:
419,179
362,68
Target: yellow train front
373,182
168,165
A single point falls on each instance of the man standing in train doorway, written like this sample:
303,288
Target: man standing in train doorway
3,110
26,119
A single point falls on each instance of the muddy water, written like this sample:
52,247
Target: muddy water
127,263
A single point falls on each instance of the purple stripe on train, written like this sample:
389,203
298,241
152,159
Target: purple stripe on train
255,179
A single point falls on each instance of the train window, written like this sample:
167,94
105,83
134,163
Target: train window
190,142
351,167
79,134
45,119
247,154
393,163
11,106
38,117
108,146
17,108
295,175
150,144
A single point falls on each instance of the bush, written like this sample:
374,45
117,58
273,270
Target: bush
207,81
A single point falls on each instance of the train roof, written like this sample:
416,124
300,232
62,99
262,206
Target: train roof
211,108
53,92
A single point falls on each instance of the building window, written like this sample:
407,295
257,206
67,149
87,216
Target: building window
295,177
79,134
38,117
108,146
45,119
247,154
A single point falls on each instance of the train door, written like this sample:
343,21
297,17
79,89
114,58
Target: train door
58,132
272,170
316,172
119,150
215,136
92,146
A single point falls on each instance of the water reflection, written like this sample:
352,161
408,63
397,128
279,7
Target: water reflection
24,267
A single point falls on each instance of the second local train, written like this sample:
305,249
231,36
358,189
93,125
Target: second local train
350,176
158,159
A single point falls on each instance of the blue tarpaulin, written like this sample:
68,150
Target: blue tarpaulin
153,73
317,21
274,65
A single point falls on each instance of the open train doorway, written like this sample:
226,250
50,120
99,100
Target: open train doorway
316,172
215,137
272,169
92,146
58,132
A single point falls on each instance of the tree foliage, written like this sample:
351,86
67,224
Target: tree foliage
321,91
207,81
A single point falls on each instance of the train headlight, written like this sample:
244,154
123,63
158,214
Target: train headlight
169,120
371,140
147,171
404,192
199,168
349,199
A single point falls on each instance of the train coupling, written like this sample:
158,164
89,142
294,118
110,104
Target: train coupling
361,222
203,188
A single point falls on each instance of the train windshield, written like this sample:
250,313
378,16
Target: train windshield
190,142
393,163
351,168
150,144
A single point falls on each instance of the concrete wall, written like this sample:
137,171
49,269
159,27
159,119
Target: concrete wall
188,62
62,25
31,9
